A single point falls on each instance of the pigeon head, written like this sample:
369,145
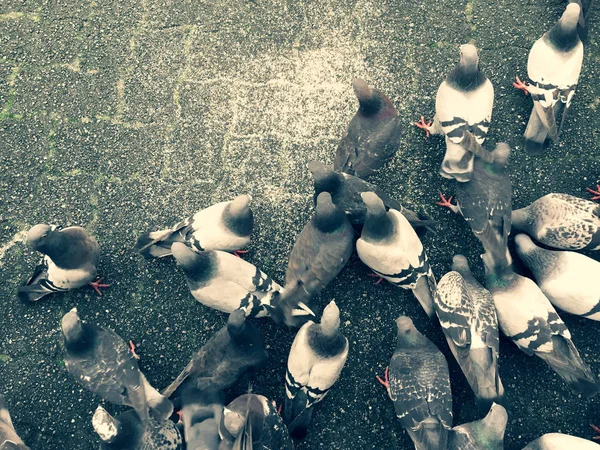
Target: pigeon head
563,35
105,425
496,420
325,179
501,154
240,204
524,244
378,225
37,236
373,203
72,326
236,324
521,219
408,335
330,321
459,262
570,17
238,215
233,421
328,217
469,58
371,100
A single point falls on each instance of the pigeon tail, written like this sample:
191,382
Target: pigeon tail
157,244
429,435
484,378
32,293
535,135
424,291
289,307
419,221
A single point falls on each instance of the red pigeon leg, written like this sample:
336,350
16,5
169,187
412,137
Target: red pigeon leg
424,126
520,85
98,284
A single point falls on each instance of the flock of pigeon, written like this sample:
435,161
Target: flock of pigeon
417,378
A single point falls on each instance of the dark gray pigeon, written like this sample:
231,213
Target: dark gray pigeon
559,441
320,252
251,422
201,412
463,111
224,226
553,66
484,434
128,432
584,16
70,261
316,359
527,318
9,439
345,192
101,362
468,318
373,135
418,382
568,279
232,351
561,221
392,249
485,203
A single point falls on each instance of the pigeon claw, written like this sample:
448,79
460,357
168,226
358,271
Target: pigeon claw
386,380
280,408
446,203
239,253
596,196
378,276
424,126
180,415
97,285
520,85
132,349
597,430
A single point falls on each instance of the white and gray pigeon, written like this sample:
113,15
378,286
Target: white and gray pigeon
553,66
128,432
392,249
568,279
201,411
101,362
373,135
316,359
463,111
561,221
418,382
584,16
559,441
484,434
223,226
70,261
468,318
9,439
527,318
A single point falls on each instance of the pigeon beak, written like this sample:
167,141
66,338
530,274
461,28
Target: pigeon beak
303,311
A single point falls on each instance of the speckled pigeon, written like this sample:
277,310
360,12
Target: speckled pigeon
100,361
468,318
224,226
561,221
553,67
70,261
392,249
418,382
484,434
463,111
232,351
373,135
9,439
128,432
559,441
315,362
201,412
527,318
568,279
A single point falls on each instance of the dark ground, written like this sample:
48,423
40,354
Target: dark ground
127,116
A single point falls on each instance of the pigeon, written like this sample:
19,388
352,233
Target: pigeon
70,261
316,359
224,226
252,422
553,66
373,135
392,249
583,22
101,362
128,432
561,221
232,351
527,318
320,252
9,439
418,382
463,111
559,441
566,278
345,192
484,434
485,203
468,318
201,412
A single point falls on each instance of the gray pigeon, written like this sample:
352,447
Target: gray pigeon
232,351
584,16
484,434
559,441
373,135
463,111
128,432
561,221
345,192
316,359
392,249
553,66
320,252
418,382
527,318
485,203
9,439
566,278
252,422
201,412
101,362
70,261
224,226
468,318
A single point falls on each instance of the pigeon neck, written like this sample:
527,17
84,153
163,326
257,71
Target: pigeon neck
499,278
239,220
82,341
520,219
328,218
563,36
198,266
326,345
466,77
378,226
328,183
409,338
370,106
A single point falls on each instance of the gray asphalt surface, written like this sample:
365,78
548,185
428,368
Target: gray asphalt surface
124,117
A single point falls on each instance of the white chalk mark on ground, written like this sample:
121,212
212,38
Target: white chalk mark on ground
19,237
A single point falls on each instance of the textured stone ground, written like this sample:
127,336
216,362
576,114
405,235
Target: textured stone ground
127,116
